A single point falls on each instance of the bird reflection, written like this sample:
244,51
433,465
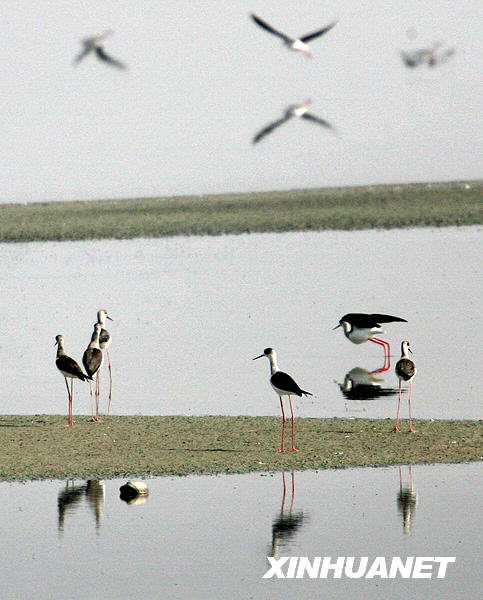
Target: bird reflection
360,384
286,525
433,56
72,496
406,500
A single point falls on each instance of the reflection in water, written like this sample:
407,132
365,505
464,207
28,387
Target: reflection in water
71,497
360,384
285,526
406,500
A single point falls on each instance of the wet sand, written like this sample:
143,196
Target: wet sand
40,446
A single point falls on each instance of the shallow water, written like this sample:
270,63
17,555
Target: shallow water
207,537
191,313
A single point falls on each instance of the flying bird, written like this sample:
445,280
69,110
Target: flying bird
295,110
296,44
96,44
428,56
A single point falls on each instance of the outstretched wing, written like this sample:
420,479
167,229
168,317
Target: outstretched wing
106,58
316,34
264,25
82,54
269,128
318,120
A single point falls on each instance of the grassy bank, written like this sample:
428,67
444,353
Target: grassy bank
37,447
347,208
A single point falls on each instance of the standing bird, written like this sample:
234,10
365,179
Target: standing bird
96,44
296,44
295,110
69,369
360,328
92,361
104,343
405,370
284,385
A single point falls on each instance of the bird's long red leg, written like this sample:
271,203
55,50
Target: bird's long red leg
110,382
411,428
71,401
90,396
387,360
293,448
396,428
284,421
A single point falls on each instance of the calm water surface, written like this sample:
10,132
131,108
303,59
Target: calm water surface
209,537
190,314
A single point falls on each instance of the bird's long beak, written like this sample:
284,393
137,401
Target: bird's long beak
410,350
258,356
108,317
55,343
336,327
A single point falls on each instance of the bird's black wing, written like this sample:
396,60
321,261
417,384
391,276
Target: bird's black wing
386,318
271,29
82,54
285,383
69,365
92,360
104,336
269,128
318,33
311,117
405,368
106,58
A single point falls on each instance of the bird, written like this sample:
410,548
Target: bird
284,385
405,370
92,361
360,328
285,525
95,44
70,370
104,343
294,110
296,44
429,56
406,500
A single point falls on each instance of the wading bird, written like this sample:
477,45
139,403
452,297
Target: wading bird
70,370
284,385
92,361
295,110
360,328
96,44
104,343
296,44
405,370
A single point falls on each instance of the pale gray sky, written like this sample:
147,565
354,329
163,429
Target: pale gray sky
203,79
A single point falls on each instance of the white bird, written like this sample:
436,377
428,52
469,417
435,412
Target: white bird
295,110
296,44
284,385
92,361
96,44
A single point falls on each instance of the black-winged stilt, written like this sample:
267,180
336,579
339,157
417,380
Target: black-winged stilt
96,44
70,370
104,343
295,110
361,327
92,361
284,385
405,370
297,44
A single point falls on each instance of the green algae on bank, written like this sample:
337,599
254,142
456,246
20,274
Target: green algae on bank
40,446
342,208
